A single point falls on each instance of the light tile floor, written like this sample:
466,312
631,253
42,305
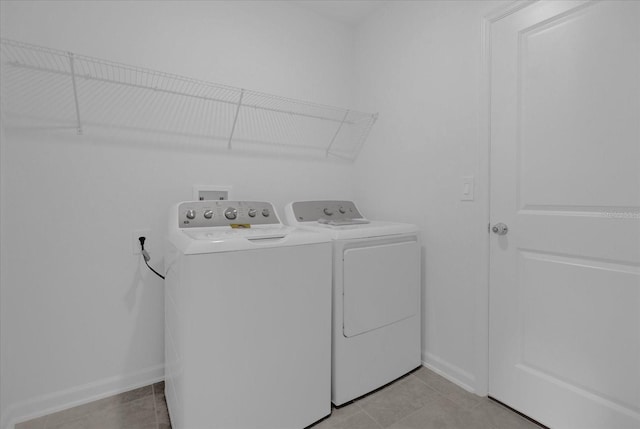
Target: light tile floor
423,400
143,408
419,400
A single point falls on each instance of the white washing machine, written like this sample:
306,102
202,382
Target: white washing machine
248,319
376,295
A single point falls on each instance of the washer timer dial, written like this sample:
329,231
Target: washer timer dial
231,213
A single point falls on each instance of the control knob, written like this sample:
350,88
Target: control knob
191,214
208,214
266,212
252,212
328,211
231,213
342,210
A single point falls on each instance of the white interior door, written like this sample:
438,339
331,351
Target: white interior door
565,179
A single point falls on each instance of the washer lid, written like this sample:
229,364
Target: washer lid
218,234
220,239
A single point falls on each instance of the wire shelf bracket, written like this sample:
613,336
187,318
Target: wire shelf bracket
75,92
235,118
48,87
337,132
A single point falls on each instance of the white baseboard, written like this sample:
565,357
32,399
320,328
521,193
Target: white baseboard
451,372
57,401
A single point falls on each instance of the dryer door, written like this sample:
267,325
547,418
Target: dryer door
381,283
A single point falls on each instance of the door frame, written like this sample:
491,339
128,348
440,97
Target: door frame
481,336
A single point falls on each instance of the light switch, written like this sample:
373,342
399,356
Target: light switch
467,189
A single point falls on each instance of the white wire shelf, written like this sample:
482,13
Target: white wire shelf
43,87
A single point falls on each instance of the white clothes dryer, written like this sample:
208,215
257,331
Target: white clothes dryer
376,295
248,319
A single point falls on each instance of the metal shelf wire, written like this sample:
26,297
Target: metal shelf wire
43,87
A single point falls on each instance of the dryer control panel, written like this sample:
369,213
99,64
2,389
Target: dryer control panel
313,211
202,214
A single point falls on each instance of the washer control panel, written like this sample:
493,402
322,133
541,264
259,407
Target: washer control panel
210,213
313,211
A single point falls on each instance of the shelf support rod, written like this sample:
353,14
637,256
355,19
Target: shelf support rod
235,119
344,118
75,92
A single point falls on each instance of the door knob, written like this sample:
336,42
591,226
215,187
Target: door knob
500,229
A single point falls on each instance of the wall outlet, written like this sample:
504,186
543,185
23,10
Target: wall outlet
207,192
135,243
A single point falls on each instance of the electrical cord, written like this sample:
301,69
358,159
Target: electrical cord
146,257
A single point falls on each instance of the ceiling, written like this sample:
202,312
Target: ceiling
350,12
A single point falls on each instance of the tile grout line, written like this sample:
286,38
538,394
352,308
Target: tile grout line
45,424
411,413
425,383
371,417
446,395
406,377
479,402
155,405
431,387
440,396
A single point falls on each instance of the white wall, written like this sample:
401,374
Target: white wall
80,315
419,65
80,312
